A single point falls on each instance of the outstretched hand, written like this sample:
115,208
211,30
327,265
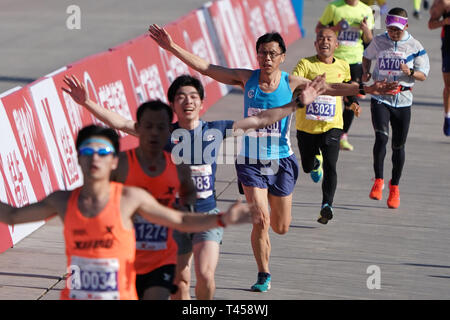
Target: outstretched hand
161,36
313,89
76,89
383,88
240,213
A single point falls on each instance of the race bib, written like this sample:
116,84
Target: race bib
149,236
389,63
349,37
93,279
322,109
270,131
202,178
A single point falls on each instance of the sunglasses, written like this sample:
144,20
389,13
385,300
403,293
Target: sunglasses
102,152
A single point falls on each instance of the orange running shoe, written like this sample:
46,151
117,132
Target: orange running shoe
394,197
377,190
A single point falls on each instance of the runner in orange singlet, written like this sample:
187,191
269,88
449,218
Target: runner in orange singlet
151,168
98,221
102,253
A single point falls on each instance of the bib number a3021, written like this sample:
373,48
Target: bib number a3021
322,109
95,279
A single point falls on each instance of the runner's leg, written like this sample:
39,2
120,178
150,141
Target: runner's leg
260,233
206,257
183,277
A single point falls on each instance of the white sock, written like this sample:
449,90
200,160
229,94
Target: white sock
447,115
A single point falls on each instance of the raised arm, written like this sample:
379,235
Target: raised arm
79,94
38,211
156,213
225,75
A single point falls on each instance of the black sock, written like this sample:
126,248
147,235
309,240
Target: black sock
263,274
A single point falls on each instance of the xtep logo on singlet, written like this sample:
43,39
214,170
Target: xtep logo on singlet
94,244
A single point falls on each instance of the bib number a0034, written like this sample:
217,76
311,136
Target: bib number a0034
149,236
95,279
389,63
322,109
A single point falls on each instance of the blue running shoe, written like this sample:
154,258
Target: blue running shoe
447,126
263,283
316,174
326,213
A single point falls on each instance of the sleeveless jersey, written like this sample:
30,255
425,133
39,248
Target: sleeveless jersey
272,142
155,246
100,252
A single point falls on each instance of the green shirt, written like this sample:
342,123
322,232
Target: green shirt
351,46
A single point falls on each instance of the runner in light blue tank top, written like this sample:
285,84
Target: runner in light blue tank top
276,144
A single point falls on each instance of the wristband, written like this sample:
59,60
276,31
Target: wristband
361,89
299,103
220,222
411,72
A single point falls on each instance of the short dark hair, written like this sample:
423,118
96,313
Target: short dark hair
94,130
271,37
184,81
398,12
154,105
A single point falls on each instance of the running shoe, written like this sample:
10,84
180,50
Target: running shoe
394,197
263,283
326,213
316,174
447,126
417,15
377,190
344,144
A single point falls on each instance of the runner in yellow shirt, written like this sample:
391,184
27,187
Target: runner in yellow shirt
319,125
353,22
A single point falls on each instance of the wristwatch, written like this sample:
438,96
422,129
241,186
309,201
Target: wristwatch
411,72
299,103
361,89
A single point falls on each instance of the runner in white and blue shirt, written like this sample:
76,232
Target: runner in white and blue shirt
400,57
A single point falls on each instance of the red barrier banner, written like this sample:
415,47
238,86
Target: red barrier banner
196,39
137,63
57,132
24,122
280,16
5,236
17,189
104,87
232,42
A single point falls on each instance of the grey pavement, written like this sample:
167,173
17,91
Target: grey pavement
409,245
